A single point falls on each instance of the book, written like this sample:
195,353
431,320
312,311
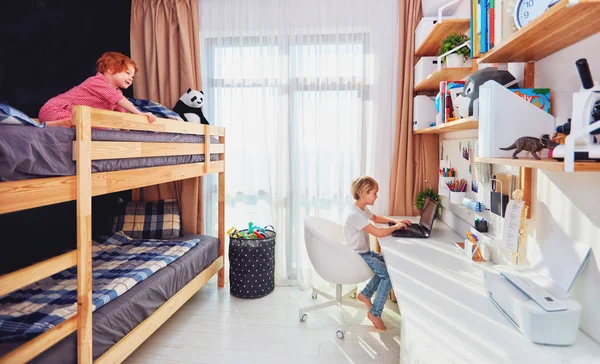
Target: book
453,95
478,27
539,97
443,101
471,30
451,88
492,23
504,23
449,109
484,25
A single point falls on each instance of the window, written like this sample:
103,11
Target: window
294,106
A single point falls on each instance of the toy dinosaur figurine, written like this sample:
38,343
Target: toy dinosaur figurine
532,145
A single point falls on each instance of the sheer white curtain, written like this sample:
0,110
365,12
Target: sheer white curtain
307,92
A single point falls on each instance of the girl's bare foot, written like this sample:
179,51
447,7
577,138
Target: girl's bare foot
364,300
377,321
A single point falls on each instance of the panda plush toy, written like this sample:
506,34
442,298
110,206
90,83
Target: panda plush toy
189,107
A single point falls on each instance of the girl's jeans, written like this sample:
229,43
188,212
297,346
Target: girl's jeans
380,282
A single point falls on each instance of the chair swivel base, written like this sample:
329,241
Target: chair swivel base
338,300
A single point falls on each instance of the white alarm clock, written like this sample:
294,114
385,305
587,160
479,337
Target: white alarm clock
527,10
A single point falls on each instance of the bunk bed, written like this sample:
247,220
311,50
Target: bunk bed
29,193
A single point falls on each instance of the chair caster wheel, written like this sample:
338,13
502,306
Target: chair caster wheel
314,295
354,295
340,334
303,317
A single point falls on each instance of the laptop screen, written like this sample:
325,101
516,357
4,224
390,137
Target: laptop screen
428,214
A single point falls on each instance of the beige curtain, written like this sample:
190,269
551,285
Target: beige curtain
165,45
415,156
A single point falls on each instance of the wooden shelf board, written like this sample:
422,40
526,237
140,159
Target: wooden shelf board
432,43
457,125
556,29
432,83
548,164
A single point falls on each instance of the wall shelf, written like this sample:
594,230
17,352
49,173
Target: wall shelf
432,82
457,125
548,164
557,28
432,43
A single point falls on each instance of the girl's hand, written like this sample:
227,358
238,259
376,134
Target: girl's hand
400,226
151,117
408,223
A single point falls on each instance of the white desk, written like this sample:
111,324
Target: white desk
446,316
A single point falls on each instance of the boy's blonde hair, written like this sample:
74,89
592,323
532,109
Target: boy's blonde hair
363,185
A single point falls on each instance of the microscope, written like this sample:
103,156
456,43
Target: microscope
581,144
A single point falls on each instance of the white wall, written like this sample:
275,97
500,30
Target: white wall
568,205
463,10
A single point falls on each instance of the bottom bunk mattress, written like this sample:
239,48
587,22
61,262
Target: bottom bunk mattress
114,320
27,152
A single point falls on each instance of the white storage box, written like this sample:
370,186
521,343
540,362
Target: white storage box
430,7
424,112
423,68
423,29
457,197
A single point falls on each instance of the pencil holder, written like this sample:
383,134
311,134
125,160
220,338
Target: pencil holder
468,250
444,190
481,226
457,197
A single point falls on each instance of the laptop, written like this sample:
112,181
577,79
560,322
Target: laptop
423,229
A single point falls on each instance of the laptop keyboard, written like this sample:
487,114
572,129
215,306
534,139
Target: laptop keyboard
412,231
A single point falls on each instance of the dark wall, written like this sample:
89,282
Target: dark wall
34,235
47,47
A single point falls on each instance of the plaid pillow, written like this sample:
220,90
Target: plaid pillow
155,108
149,220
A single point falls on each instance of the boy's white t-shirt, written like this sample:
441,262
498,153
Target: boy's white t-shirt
353,234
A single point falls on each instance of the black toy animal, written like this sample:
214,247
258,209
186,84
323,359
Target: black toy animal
532,145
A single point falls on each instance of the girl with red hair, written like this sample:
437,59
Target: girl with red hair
115,71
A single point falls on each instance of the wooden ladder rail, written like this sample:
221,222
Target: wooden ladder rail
83,153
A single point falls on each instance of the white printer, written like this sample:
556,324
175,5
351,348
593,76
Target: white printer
541,310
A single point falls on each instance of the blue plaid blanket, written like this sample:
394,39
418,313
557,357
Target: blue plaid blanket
155,108
118,263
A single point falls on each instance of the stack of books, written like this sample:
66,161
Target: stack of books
449,90
491,22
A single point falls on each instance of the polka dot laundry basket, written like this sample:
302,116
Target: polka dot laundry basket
252,265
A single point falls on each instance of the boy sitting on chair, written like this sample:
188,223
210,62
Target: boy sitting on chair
356,234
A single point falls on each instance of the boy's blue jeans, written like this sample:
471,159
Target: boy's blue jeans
380,282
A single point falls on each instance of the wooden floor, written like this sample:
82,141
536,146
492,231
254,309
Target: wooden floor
215,327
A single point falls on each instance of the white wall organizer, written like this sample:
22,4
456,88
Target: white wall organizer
504,117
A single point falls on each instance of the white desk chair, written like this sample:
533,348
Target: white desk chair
335,263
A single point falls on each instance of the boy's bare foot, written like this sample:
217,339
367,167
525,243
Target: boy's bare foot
377,321
364,300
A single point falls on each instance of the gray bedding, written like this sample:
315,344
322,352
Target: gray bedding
27,152
114,320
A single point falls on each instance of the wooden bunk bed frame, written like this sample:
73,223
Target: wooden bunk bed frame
21,195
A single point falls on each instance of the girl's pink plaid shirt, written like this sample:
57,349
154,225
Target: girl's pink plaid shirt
95,92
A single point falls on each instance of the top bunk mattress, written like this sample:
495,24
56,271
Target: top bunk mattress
27,152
